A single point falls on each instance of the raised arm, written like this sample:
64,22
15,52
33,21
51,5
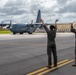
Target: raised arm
72,29
45,27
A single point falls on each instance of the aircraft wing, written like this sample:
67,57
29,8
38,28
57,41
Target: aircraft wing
4,25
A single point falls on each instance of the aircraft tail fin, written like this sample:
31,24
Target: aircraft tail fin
38,17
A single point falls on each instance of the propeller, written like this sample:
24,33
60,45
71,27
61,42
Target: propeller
10,24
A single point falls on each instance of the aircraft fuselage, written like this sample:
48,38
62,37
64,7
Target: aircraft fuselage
22,28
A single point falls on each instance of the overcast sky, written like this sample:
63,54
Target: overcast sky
23,11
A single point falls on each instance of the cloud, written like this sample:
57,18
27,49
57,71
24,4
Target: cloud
68,7
26,10
62,1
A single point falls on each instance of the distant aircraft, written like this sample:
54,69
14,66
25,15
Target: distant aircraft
22,28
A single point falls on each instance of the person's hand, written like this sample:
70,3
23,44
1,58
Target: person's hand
56,20
56,23
42,21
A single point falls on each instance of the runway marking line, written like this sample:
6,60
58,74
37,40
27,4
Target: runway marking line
45,69
49,70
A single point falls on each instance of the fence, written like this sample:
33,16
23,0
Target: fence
65,27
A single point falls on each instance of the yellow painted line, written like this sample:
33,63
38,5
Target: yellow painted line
44,68
54,68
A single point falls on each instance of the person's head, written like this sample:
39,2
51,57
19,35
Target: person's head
52,27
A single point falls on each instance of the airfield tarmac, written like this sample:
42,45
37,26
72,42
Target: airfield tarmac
23,54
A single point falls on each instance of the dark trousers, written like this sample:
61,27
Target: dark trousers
52,50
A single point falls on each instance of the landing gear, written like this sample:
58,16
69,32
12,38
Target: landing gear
14,33
21,33
29,33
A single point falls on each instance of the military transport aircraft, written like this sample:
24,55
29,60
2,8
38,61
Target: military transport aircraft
22,28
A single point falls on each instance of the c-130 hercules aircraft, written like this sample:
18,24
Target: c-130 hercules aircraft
22,28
